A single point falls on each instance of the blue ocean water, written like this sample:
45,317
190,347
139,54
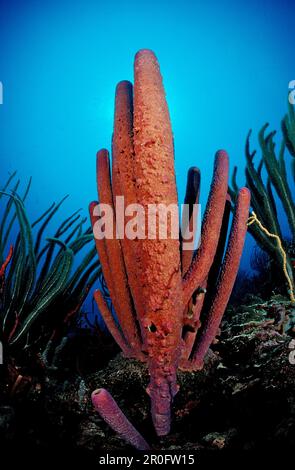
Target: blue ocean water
226,68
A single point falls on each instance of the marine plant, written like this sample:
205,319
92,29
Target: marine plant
43,280
267,231
168,302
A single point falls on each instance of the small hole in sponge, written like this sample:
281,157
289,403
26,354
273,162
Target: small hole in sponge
152,328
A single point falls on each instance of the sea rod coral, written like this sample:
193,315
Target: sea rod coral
43,282
157,289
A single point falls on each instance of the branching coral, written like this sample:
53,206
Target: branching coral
157,289
41,287
263,200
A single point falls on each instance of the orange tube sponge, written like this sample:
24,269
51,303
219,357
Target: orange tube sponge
226,279
117,285
160,275
144,273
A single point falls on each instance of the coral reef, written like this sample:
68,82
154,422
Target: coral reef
241,403
43,282
263,200
157,289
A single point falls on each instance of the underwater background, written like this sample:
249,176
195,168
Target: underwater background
226,68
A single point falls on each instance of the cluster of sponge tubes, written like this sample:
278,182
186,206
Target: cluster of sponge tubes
169,302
